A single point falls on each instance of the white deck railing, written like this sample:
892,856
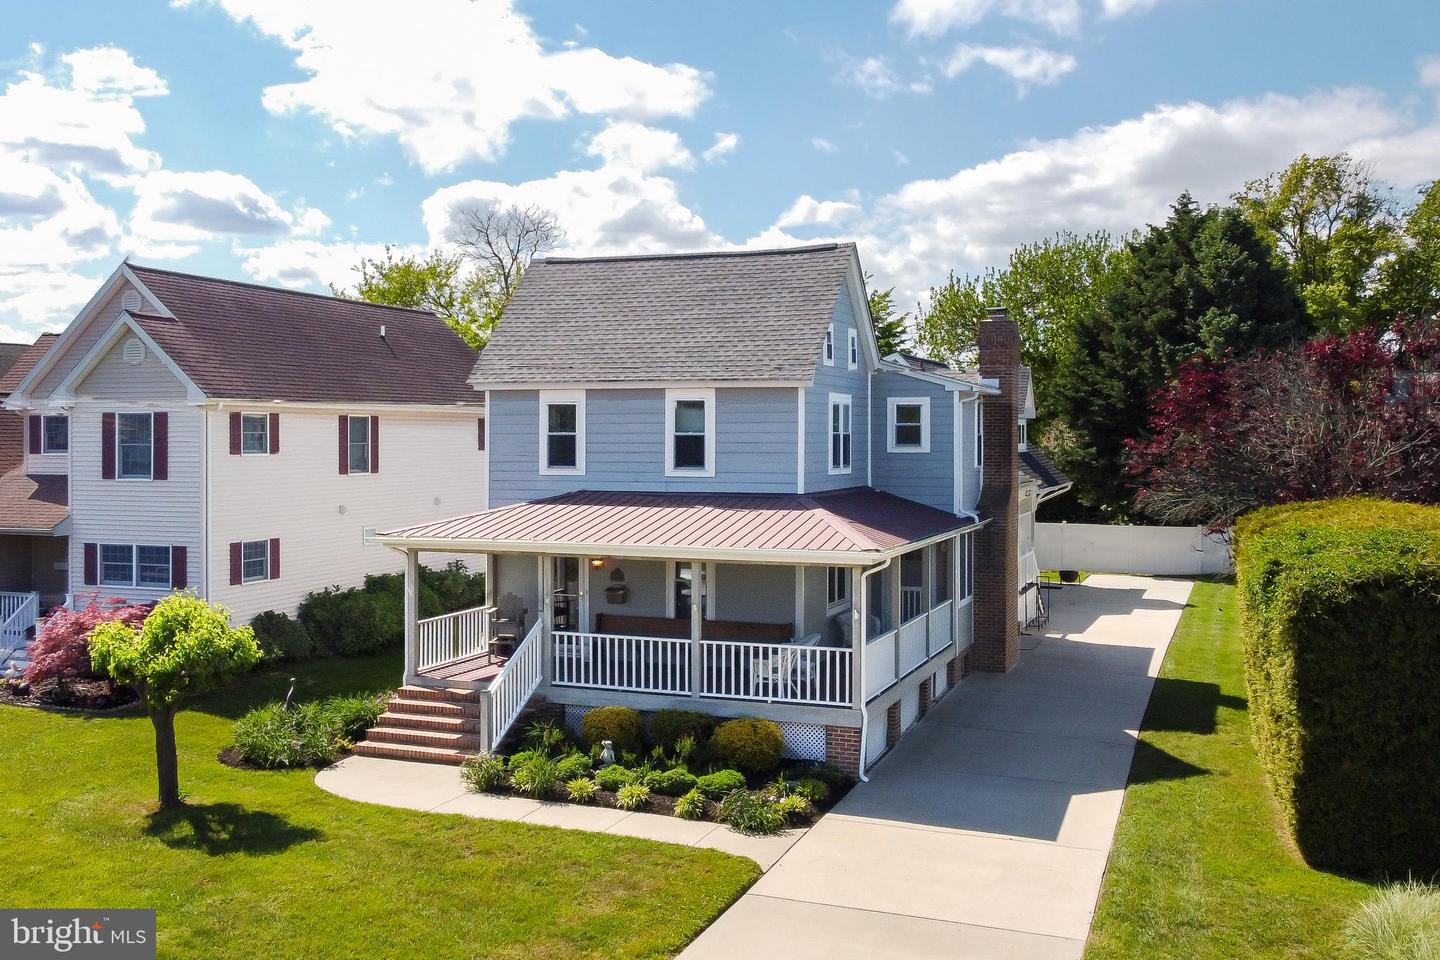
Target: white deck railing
512,688
775,672
941,627
880,663
18,613
608,661
452,636
912,644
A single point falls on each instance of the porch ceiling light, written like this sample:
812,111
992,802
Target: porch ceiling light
597,562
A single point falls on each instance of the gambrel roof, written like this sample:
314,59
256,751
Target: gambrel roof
732,317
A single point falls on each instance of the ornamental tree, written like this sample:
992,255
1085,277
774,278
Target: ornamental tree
184,647
61,650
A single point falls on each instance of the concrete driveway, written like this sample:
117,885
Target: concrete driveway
985,833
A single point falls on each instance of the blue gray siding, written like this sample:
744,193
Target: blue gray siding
836,379
927,478
755,438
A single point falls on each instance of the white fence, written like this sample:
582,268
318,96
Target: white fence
1106,548
606,661
452,636
775,672
18,613
511,690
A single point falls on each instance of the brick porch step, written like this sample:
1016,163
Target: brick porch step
444,694
393,717
439,708
424,738
407,751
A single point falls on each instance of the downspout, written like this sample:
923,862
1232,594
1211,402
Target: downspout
865,630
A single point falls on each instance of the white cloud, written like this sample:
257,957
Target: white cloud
900,158
873,76
823,145
1027,66
807,211
305,264
725,143
636,145
448,78
174,212
41,300
1123,8
935,17
1429,68
111,72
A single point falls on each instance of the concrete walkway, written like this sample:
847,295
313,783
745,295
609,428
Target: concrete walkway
985,833
437,788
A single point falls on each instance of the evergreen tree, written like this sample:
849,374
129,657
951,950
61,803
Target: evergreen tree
1203,283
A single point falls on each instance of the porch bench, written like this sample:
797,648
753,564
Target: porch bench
680,629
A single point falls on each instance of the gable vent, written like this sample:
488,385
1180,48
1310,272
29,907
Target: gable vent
130,300
134,351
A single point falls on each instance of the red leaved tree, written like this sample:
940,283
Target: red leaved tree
1337,416
61,650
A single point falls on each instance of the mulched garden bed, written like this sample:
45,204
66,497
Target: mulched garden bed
89,696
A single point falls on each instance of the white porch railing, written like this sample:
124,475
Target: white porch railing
607,661
452,636
775,672
912,644
880,663
18,613
912,602
940,630
512,688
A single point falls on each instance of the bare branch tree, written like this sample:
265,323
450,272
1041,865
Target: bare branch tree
502,242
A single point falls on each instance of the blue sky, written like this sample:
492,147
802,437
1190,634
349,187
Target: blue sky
278,141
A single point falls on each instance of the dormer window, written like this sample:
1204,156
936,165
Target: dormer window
853,351
690,433
829,353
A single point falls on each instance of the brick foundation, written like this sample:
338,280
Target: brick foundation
892,725
927,687
842,749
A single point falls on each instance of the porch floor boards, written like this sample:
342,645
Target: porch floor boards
481,667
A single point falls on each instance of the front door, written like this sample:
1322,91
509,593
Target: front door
569,593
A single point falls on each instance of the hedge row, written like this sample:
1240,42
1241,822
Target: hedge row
366,619
1341,611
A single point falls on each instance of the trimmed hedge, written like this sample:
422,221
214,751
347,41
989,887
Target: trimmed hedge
1341,610
368,619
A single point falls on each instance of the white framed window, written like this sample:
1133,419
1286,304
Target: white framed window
852,350
979,433
690,433
254,560
134,446
908,428
840,433
134,565
55,433
681,578
829,352
255,436
942,571
357,444
562,432
837,588
965,556
1024,434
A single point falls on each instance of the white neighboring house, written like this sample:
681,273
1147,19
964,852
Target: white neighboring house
241,441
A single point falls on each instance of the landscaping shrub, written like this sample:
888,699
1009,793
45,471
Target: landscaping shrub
721,783
668,727
306,735
750,811
749,744
573,765
281,638
672,782
483,772
370,618
620,725
691,806
811,788
61,649
613,777
580,789
534,775
1341,612
634,796
1401,922
545,736
793,807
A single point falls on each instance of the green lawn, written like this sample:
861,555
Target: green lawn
265,864
1055,575
1200,869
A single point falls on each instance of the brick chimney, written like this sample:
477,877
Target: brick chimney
997,578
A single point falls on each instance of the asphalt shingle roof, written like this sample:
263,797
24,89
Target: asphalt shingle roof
1035,466
25,362
242,341
734,317
33,502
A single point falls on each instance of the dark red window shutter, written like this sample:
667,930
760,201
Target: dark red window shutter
34,434
274,433
235,570
107,441
274,558
235,429
161,446
179,574
92,564
374,444
344,440
480,433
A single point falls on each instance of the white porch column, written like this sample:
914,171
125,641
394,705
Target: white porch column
412,612
546,580
859,630
697,621
897,607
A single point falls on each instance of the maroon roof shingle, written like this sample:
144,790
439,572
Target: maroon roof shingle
861,522
29,503
24,363
243,341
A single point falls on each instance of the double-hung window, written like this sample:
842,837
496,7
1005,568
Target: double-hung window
690,433
357,444
829,351
132,565
965,557
837,587
254,560
55,433
840,433
1024,434
853,350
909,426
255,435
152,566
135,445
562,432
979,434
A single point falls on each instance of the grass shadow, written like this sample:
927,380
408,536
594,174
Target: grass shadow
216,829
1152,765
1187,706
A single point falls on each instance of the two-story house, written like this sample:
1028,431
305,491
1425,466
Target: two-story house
709,491
241,441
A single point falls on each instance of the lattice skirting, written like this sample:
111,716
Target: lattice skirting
573,715
803,741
